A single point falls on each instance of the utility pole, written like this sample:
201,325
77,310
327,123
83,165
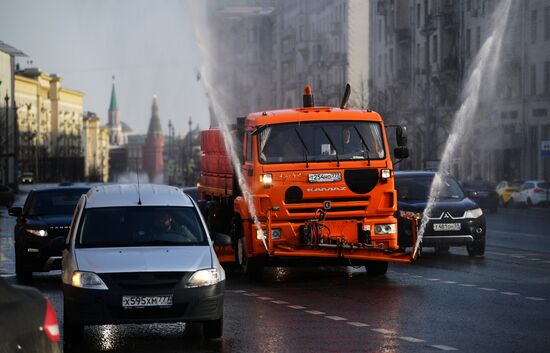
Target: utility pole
189,152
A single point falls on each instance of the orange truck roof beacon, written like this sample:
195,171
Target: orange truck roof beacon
318,186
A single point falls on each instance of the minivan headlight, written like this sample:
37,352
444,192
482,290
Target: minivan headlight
87,280
475,213
203,278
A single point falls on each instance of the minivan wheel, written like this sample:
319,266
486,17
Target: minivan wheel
72,330
376,268
477,248
213,329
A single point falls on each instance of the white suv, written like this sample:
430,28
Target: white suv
140,254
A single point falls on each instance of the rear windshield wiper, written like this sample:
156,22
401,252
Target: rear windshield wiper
333,146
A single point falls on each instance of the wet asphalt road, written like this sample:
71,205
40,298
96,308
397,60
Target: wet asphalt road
443,302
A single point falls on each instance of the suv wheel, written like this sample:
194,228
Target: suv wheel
376,268
213,329
477,248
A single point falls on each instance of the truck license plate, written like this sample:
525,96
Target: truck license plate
446,226
140,301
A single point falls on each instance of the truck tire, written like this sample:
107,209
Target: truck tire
477,248
253,267
376,268
213,329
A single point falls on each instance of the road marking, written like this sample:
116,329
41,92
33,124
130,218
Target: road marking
265,298
533,259
509,293
298,307
358,324
444,348
467,285
411,339
546,262
417,276
535,298
235,291
279,302
489,289
315,312
336,318
449,282
7,276
432,279
529,235
383,331
518,256
251,294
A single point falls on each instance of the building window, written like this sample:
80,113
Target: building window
468,5
418,55
435,49
379,30
468,35
391,60
418,14
533,79
547,23
478,38
547,77
533,26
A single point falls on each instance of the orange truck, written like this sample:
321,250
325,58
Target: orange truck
317,187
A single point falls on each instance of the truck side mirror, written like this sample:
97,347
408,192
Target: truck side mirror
401,136
401,152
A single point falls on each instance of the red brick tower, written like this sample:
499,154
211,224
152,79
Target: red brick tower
153,163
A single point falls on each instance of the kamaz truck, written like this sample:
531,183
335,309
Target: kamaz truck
317,188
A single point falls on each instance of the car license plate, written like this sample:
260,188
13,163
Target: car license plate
446,226
140,301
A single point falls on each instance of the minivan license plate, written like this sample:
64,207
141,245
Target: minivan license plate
446,226
140,301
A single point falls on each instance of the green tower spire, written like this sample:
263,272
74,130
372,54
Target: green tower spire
114,105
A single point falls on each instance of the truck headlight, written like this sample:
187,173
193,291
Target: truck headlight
203,278
38,232
385,173
87,280
384,228
475,213
266,179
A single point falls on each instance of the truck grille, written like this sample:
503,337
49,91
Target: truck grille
338,205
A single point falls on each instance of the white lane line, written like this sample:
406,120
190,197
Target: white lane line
279,302
417,276
336,318
251,294
518,256
509,293
467,285
265,298
449,282
444,348
297,307
535,298
237,291
358,324
533,259
383,331
315,312
432,279
546,262
488,289
411,339
6,276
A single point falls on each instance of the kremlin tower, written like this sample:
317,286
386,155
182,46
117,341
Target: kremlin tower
116,135
153,163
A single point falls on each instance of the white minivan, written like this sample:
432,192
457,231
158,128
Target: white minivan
140,254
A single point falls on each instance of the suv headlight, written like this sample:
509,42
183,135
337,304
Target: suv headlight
384,228
87,280
38,232
203,278
475,213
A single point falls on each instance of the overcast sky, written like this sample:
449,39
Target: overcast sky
148,45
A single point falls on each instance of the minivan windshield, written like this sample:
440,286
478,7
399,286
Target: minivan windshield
418,188
321,141
140,226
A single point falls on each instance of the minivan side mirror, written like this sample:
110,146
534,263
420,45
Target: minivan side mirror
15,211
59,244
222,239
401,152
401,136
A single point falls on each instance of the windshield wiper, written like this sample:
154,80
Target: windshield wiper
303,144
364,144
333,146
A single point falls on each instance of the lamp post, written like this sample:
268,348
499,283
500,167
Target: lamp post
6,139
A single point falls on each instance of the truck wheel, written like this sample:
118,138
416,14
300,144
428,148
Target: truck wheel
253,268
213,329
477,248
376,268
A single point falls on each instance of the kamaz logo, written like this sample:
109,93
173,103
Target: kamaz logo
336,188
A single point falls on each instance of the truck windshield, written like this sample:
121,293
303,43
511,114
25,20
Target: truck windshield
140,226
280,143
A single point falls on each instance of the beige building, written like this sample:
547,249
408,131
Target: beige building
50,122
96,149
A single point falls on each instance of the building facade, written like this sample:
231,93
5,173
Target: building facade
96,149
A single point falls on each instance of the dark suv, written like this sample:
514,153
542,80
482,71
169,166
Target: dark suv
45,215
455,220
